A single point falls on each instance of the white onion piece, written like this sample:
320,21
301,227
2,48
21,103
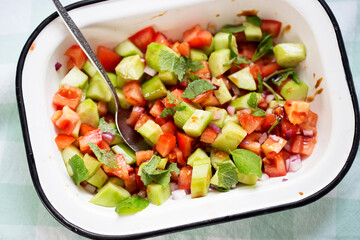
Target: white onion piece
269,111
215,128
108,137
287,163
308,133
174,186
295,163
263,138
231,110
90,188
264,177
269,98
178,194
142,194
275,138
149,71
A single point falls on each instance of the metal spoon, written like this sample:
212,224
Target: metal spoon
132,138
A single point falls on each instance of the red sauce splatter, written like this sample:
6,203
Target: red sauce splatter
312,98
301,193
32,47
318,82
217,15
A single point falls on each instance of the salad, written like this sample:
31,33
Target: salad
218,110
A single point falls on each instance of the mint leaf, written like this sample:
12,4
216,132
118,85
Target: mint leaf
180,68
167,61
233,28
265,47
258,112
280,76
295,77
171,111
227,174
253,100
150,174
131,205
197,87
107,127
172,99
79,169
241,60
174,168
233,54
105,157
260,84
255,20
195,65
277,121
247,162
192,76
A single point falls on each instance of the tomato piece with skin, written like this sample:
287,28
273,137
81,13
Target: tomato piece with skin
251,143
303,145
143,37
202,97
211,101
122,170
208,136
288,130
176,155
184,179
273,145
297,111
131,184
102,108
247,50
165,144
255,70
67,96
275,167
108,58
169,127
77,56
66,120
205,37
161,39
269,69
175,47
84,129
92,136
143,156
142,120
135,115
271,27
177,93
269,120
157,108
161,121
133,94
63,141
249,122
184,49
104,145
139,183
185,144
204,73
190,36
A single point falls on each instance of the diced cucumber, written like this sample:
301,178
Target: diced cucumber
88,112
221,41
231,136
110,195
153,89
241,102
200,179
89,68
222,93
76,131
274,104
243,79
217,155
197,123
220,122
123,102
293,91
252,33
162,163
168,78
199,154
157,194
68,153
218,62
117,181
249,179
98,89
289,55
197,55
126,151
130,68
153,52
127,48
75,77
150,131
180,117
207,50
98,179
233,118
92,164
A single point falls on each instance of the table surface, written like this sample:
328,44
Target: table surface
22,215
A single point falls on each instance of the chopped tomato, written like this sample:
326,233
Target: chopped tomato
135,115
208,136
67,96
169,127
251,143
202,97
191,37
303,145
161,121
279,111
247,50
178,95
143,156
143,37
204,73
122,170
131,184
205,37
184,143
102,108
133,94
143,119
63,141
310,124
255,70
77,55
184,179
108,58
273,145
92,136
288,130
297,111
104,145
275,167
211,101
140,183
66,120
175,47
160,38
157,108
249,122
176,155
165,144
184,49
269,69
84,129
269,120
271,27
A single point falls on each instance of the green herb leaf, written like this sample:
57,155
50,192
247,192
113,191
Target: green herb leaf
277,96
295,77
233,54
131,205
260,84
167,61
197,87
107,127
247,162
227,174
171,111
181,67
195,65
105,157
192,76
258,112
280,76
277,121
79,169
172,99
253,100
255,20
174,168
265,47
233,28
241,60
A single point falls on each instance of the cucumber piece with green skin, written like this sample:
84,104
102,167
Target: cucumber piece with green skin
150,131
117,181
88,113
153,89
127,48
123,102
68,153
217,62
241,102
274,104
98,179
252,33
110,195
157,194
168,78
76,78
233,119
243,79
197,55
231,136
152,54
207,50
249,179
221,41
217,155
98,90
289,55
92,164
130,68
220,122
76,131
200,179
197,123
199,154
126,151
293,91
180,117
222,93
89,68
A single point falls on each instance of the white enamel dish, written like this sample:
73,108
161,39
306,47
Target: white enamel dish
110,22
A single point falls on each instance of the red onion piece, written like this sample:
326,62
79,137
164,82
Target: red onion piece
287,146
284,179
215,128
295,163
308,133
269,98
148,70
264,177
178,194
174,186
235,89
263,138
142,194
58,66
188,191
287,163
217,115
107,137
231,110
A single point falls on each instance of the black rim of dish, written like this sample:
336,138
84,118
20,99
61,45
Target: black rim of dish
83,232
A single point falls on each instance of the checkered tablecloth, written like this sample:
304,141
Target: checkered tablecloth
22,215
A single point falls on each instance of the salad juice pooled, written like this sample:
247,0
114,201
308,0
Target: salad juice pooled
216,110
